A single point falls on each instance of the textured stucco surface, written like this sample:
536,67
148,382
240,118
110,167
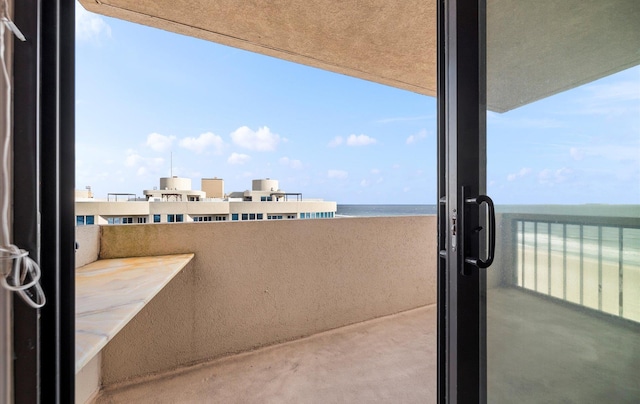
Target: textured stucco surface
390,42
254,284
88,381
88,239
534,49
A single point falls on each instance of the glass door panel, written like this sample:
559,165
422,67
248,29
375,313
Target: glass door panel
563,168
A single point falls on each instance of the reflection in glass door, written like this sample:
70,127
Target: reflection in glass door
563,152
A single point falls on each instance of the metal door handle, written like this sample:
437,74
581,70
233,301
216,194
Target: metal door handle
491,229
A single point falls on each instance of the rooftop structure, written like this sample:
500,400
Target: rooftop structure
174,189
213,187
176,202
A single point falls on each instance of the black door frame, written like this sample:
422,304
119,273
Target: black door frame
44,69
461,174
26,176
44,177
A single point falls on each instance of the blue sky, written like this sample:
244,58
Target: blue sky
143,94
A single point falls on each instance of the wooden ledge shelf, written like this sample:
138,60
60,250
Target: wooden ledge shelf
109,293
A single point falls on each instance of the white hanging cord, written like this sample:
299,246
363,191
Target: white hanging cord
22,274
7,21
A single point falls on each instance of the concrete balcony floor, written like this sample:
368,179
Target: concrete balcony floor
541,351
390,359
538,351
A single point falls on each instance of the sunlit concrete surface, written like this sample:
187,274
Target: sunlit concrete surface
109,293
538,351
387,360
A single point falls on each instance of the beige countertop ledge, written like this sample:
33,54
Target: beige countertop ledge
109,293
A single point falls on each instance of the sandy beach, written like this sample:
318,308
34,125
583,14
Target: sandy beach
549,278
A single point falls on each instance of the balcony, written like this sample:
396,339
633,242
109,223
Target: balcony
343,310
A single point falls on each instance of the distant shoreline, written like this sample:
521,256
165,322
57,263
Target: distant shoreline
588,209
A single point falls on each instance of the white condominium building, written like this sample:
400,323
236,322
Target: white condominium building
176,202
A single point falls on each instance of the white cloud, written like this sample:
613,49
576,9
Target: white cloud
159,143
132,159
365,183
621,91
417,137
522,173
201,143
375,171
338,174
610,100
143,165
352,140
90,26
261,140
545,176
551,177
238,158
142,171
576,153
563,174
360,140
295,164
336,141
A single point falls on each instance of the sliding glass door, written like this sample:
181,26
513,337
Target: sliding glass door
539,107
563,167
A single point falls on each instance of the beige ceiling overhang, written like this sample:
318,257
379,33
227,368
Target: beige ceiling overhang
532,52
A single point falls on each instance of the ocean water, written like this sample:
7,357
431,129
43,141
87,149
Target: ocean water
385,210
602,210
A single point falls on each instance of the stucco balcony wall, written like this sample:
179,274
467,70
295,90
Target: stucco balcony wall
254,284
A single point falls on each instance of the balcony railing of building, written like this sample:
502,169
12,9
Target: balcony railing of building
589,261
